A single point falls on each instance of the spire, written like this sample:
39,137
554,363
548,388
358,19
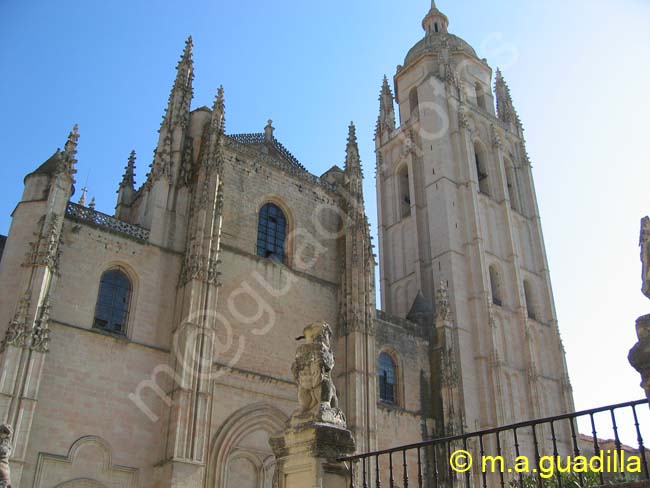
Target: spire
217,128
219,112
352,160
70,148
354,175
386,119
70,151
91,205
128,179
126,190
435,22
505,108
181,94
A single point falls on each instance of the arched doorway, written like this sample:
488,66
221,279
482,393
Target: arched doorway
240,454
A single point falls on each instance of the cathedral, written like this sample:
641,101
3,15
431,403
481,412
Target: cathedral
153,347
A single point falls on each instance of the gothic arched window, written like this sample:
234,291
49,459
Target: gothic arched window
386,371
271,233
113,301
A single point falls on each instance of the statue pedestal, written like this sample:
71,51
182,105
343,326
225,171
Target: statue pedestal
307,456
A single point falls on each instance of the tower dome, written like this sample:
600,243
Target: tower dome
437,37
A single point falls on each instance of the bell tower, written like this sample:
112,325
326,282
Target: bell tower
457,209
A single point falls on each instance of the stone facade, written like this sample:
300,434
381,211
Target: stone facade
189,386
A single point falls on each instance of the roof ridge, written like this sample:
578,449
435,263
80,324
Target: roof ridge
259,137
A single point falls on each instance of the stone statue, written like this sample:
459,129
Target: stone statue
6,435
644,243
316,437
312,370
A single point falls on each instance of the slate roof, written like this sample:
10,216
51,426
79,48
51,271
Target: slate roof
421,306
258,138
49,167
3,240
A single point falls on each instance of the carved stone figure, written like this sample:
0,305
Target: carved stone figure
443,310
312,370
6,434
639,356
644,243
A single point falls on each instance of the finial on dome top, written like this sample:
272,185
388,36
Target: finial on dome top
435,21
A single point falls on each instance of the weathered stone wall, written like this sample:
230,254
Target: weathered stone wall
410,419
84,392
313,226
263,307
89,374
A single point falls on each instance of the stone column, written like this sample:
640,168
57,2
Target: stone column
316,435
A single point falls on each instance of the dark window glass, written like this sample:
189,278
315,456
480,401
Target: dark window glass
387,383
113,301
271,233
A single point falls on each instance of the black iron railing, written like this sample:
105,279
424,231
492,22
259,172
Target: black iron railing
431,463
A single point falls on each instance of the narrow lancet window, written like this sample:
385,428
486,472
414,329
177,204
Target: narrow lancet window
495,285
404,190
511,181
530,300
481,171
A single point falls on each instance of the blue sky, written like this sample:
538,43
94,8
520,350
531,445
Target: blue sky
579,72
